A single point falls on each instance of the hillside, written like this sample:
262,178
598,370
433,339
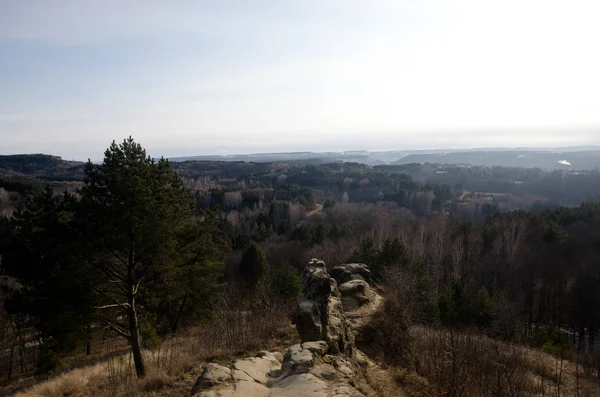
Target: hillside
152,269
568,158
558,159
328,361
41,166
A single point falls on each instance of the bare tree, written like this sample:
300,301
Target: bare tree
513,239
438,248
458,253
381,229
471,256
419,242
233,200
5,205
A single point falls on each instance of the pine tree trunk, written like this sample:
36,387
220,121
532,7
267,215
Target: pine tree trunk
134,329
175,322
136,343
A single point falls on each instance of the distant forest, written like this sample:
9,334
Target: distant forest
464,191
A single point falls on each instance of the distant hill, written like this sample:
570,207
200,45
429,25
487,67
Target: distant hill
48,167
575,158
26,172
294,157
29,163
545,159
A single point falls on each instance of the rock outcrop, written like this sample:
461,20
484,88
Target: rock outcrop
320,315
325,364
353,280
359,299
351,271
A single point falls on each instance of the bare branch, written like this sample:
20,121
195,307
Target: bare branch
118,330
103,293
135,290
111,306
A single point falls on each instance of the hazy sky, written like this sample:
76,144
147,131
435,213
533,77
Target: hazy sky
199,77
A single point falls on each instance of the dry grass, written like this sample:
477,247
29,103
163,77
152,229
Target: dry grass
386,383
173,368
561,378
451,363
470,364
116,375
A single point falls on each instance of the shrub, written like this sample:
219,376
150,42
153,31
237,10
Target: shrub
287,281
459,306
389,334
253,265
551,340
49,360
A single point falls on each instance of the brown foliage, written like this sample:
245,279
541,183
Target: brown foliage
470,364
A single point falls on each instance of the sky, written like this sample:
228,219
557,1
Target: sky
192,77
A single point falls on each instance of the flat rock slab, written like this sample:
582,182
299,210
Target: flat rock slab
303,385
215,393
250,389
241,375
258,368
324,371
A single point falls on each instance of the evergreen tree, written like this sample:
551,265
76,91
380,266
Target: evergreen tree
423,301
136,210
253,265
43,254
287,281
189,284
366,253
393,253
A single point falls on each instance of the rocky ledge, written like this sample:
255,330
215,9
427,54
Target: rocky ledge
326,363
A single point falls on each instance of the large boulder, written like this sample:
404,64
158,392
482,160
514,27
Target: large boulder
351,271
355,294
212,375
320,315
353,280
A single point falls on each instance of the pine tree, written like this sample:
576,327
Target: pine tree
43,254
188,285
393,253
288,281
253,265
135,211
366,253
